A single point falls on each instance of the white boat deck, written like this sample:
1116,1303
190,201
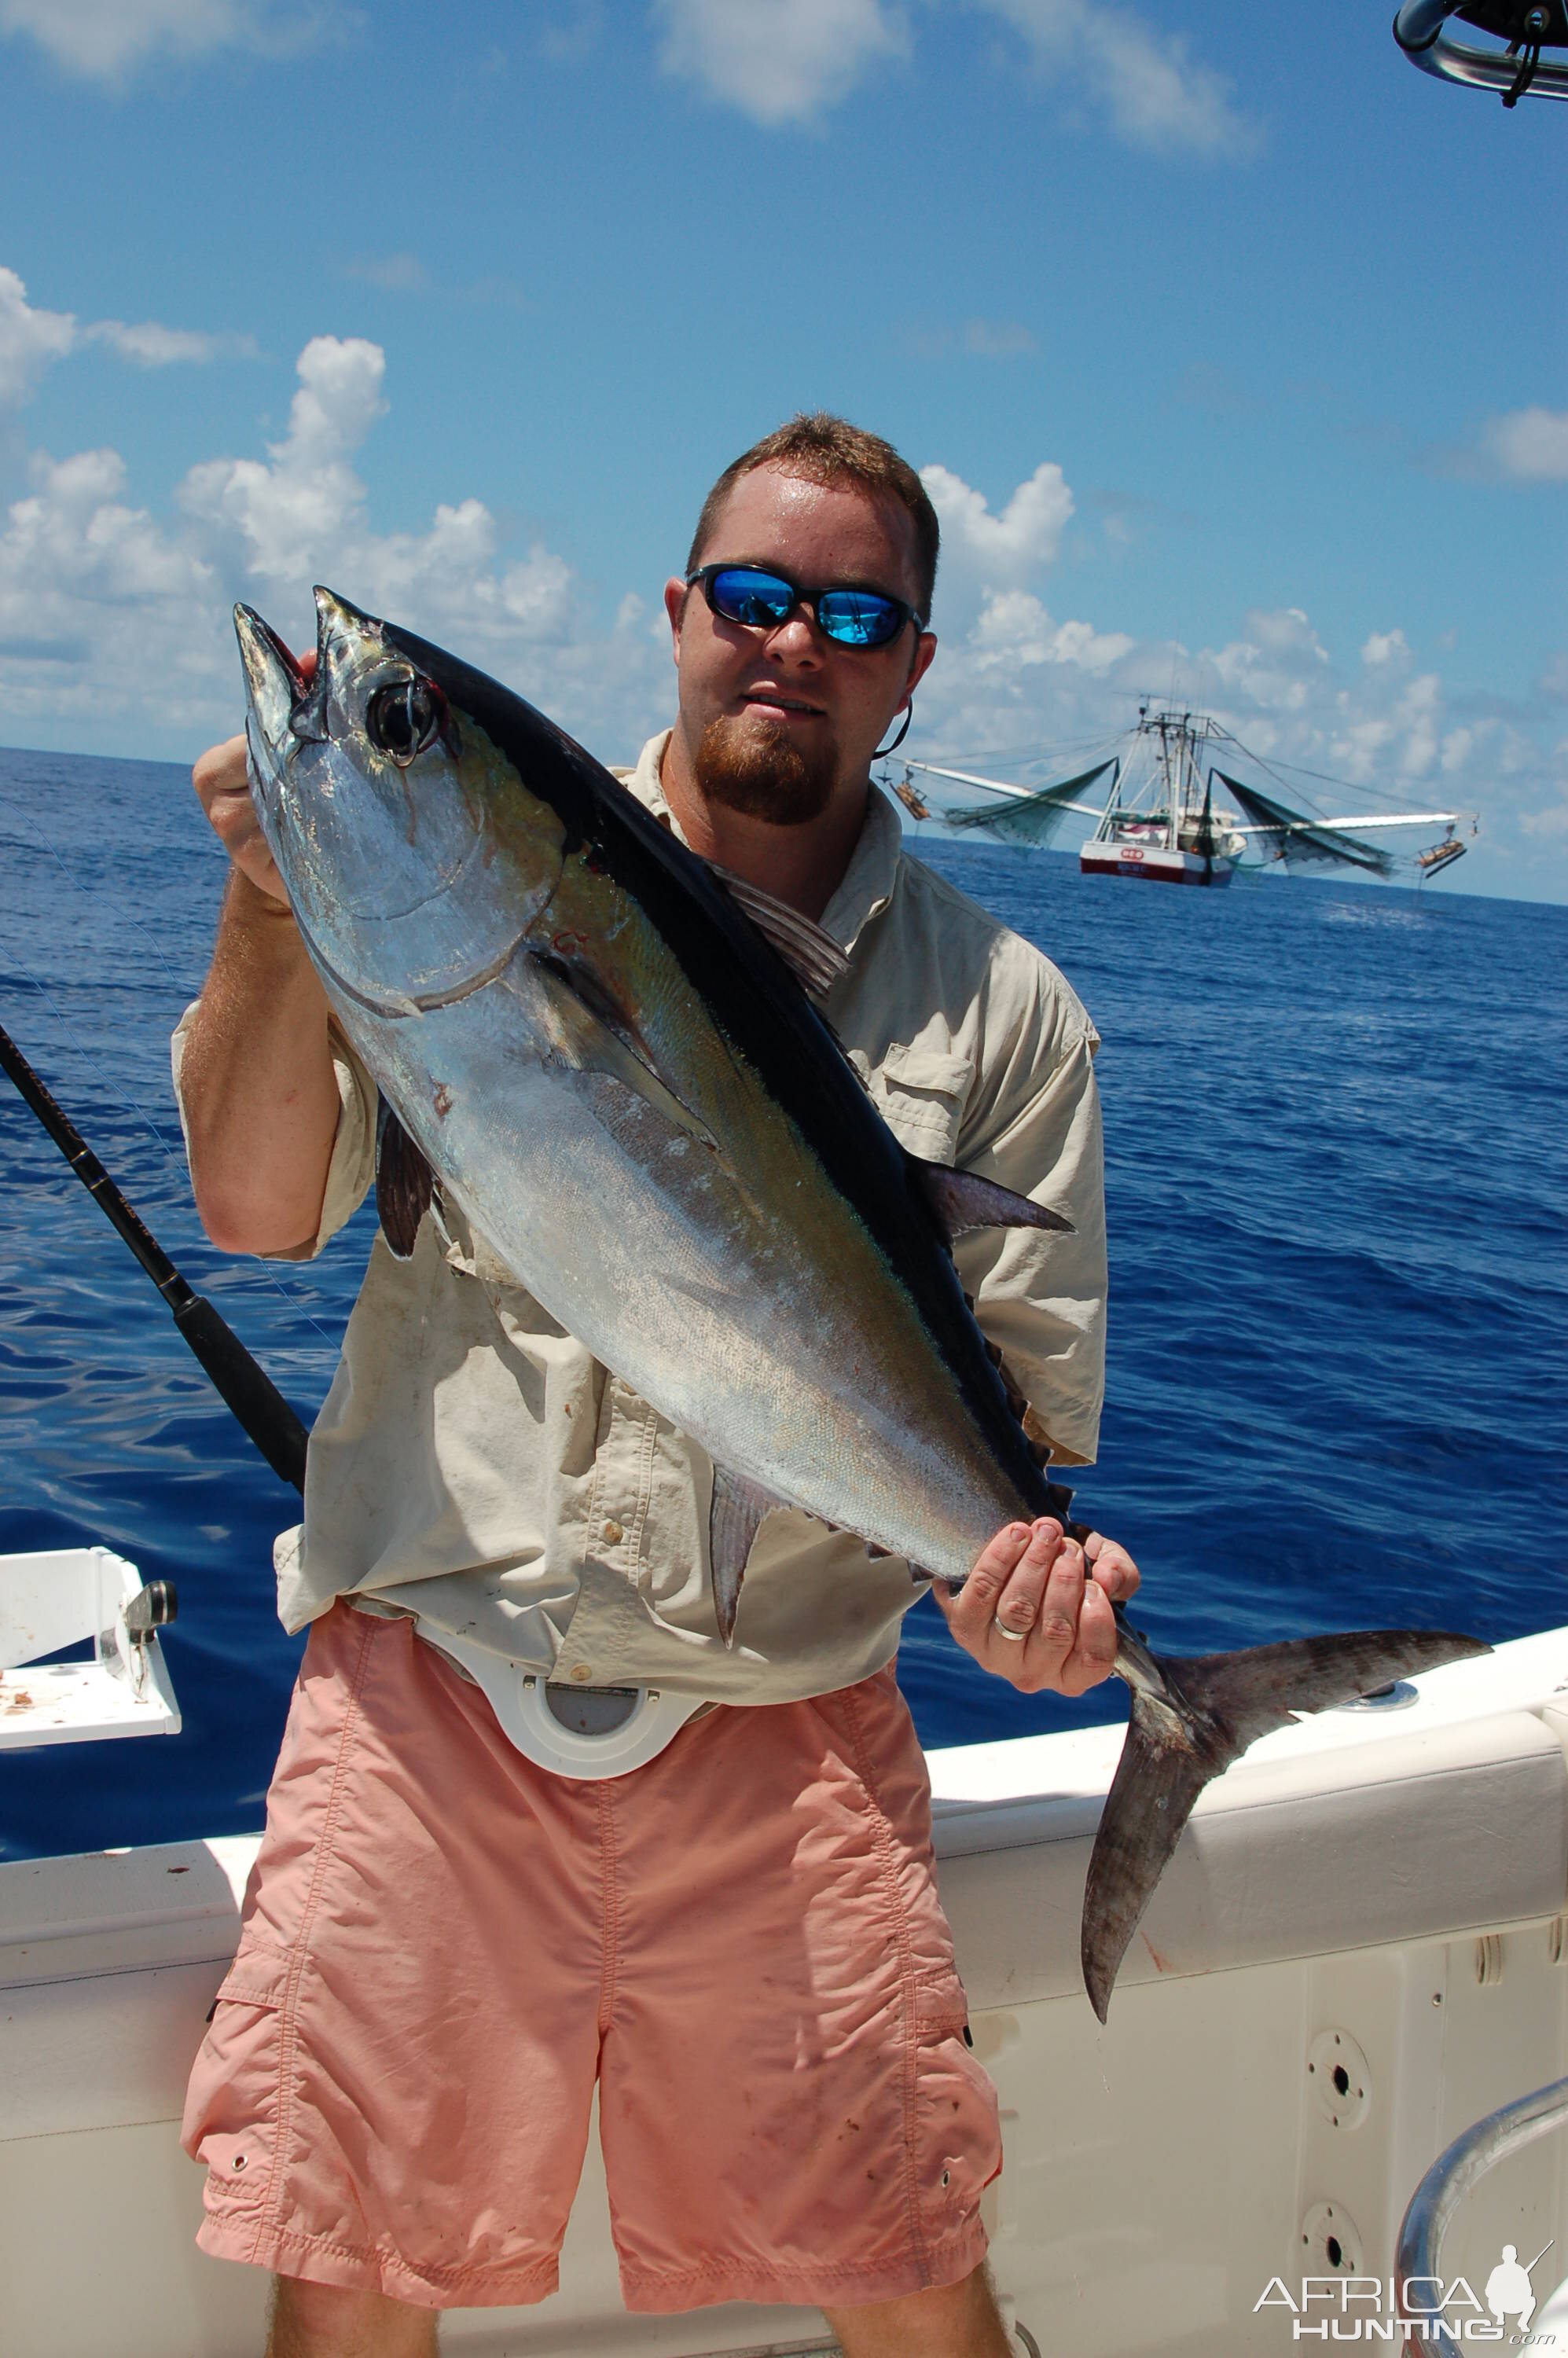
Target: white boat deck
1383,1893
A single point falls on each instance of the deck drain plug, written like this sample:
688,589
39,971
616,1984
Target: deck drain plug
1331,2242
1340,2079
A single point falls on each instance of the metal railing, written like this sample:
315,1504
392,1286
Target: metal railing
1419,2257
1421,29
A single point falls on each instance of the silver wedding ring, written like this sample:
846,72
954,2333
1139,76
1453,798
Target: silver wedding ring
1014,1637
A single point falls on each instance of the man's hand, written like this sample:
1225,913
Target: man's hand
1053,1596
224,793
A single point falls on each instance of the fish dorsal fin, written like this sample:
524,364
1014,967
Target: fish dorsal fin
962,1199
812,957
739,1507
405,1183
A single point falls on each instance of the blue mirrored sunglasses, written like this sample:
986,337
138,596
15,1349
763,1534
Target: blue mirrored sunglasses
762,600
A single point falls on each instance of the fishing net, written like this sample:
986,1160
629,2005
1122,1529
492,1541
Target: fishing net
1035,818
1299,838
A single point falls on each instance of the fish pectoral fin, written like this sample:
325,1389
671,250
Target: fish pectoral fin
590,994
738,1509
1214,1706
405,1183
962,1199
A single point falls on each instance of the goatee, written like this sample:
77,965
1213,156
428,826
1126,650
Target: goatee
753,766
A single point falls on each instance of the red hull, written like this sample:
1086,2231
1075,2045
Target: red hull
1153,865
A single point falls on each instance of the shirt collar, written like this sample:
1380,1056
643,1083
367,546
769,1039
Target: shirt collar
868,882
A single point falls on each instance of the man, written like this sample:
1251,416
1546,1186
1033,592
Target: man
445,1948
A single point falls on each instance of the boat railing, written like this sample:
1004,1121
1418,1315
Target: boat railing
1420,28
1419,2257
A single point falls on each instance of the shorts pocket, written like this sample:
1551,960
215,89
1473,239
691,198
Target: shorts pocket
239,2165
231,2108
257,1977
959,2138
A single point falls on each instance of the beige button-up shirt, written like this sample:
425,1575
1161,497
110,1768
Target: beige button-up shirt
473,1464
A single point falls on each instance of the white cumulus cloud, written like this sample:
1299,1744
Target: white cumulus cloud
1006,547
1014,631
151,345
32,340
1531,443
1143,79
779,61
305,495
299,516
1278,664
99,606
29,340
108,40
109,614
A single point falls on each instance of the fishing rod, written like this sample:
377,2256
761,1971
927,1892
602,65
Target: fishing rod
244,1387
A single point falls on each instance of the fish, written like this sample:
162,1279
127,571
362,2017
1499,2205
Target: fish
608,1058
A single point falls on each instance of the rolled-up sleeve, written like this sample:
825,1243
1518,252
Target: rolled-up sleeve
352,1172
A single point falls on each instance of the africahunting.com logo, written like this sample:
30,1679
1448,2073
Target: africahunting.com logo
1416,2309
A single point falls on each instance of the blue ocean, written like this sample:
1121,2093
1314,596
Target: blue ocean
1336,1149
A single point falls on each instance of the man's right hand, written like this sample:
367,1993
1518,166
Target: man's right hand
224,792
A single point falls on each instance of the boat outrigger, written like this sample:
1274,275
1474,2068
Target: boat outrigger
1162,820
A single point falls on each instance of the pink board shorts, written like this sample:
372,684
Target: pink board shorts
444,1947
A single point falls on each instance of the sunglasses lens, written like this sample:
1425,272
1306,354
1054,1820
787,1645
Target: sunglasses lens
858,618
743,594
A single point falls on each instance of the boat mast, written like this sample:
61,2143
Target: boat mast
1171,767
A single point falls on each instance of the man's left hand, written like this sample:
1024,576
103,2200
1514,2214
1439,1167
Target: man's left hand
1054,1596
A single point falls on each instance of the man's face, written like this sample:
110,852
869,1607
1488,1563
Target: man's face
780,721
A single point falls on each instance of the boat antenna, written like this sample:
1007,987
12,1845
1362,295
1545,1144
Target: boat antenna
243,1384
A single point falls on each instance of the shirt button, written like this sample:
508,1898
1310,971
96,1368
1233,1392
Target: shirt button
581,1671
613,1533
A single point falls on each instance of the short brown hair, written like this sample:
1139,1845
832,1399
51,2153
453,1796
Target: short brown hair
829,449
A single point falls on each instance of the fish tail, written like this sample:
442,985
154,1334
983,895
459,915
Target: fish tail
1190,1720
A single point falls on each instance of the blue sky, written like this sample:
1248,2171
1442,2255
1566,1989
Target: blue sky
1236,346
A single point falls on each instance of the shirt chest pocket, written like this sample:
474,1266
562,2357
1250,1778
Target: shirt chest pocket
921,1094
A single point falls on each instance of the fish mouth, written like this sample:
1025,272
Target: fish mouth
276,683
287,693
258,640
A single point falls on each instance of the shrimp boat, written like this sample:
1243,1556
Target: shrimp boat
1170,815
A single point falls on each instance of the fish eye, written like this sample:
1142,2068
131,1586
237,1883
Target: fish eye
401,720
